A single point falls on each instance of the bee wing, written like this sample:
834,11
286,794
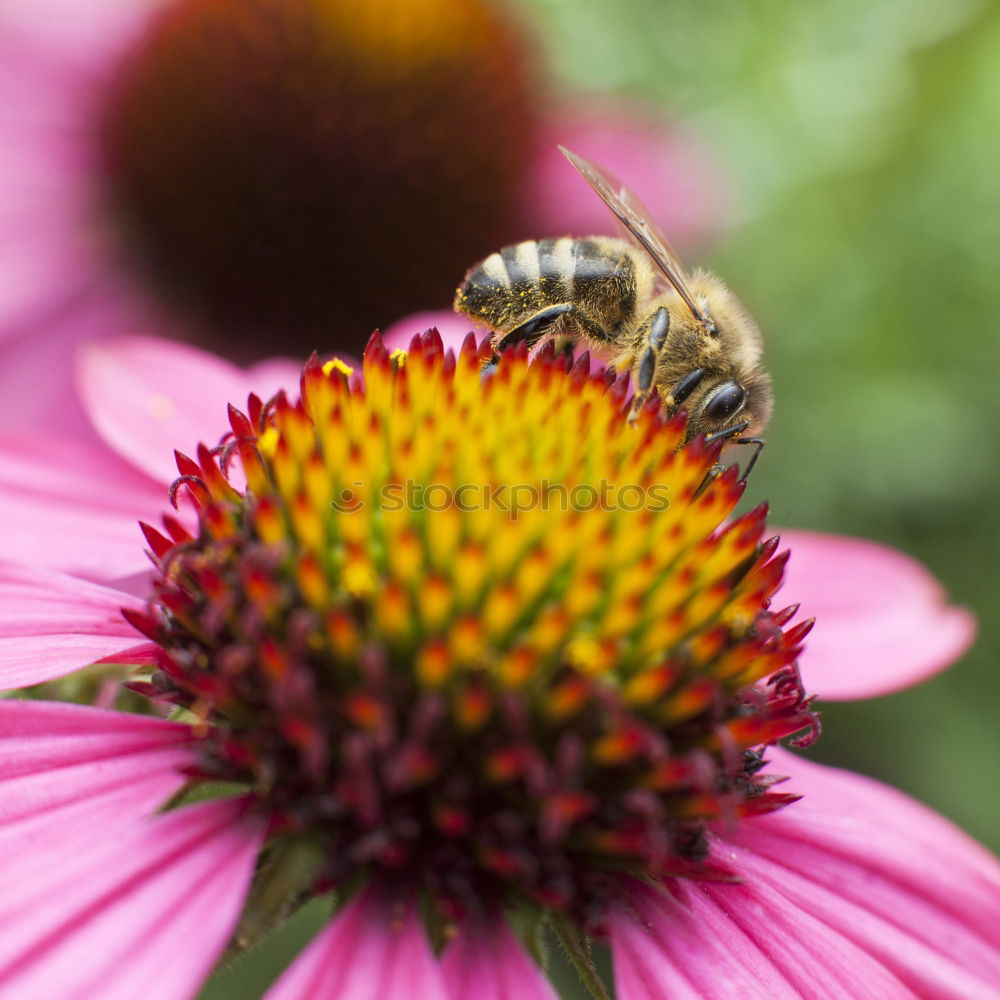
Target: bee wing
629,211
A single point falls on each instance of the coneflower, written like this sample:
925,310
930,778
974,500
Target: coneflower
473,657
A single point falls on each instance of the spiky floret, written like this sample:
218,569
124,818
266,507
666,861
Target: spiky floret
421,675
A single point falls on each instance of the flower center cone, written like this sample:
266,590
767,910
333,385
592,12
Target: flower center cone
481,634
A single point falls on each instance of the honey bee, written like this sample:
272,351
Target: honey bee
686,339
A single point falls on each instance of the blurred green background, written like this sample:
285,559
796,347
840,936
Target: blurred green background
862,142
860,138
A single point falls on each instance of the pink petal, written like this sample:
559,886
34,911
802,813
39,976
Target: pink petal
854,892
679,183
266,377
452,327
883,622
142,910
36,370
51,624
72,506
374,949
681,943
38,381
80,35
66,769
890,874
55,56
487,962
147,397
39,271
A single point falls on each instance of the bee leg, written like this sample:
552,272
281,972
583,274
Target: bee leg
659,327
707,480
759,443
727,432
684,388
532,330
732,432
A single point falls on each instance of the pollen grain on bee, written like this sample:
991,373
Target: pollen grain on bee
511,498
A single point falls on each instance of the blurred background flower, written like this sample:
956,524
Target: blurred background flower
257,174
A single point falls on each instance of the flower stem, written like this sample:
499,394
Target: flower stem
576,945
280,886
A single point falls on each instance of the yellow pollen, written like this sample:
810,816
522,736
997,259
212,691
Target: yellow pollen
336,365
435,603
393,611
501,609
467,641
360,579
586,654
267,442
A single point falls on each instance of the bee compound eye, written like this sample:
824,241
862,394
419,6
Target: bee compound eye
725,401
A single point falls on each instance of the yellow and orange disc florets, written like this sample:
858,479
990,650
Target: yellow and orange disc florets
482,630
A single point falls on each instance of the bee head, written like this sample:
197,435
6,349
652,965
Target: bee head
723,402
739,403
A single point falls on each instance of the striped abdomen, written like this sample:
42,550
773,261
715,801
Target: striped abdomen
509,286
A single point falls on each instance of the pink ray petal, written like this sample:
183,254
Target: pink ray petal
147,397
66,769
883,622
854,893
36,385
452,327
486,961
142,911
266,377
892,875
75,507
34,269
51,624
679,943
38,376
76,37
374,949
